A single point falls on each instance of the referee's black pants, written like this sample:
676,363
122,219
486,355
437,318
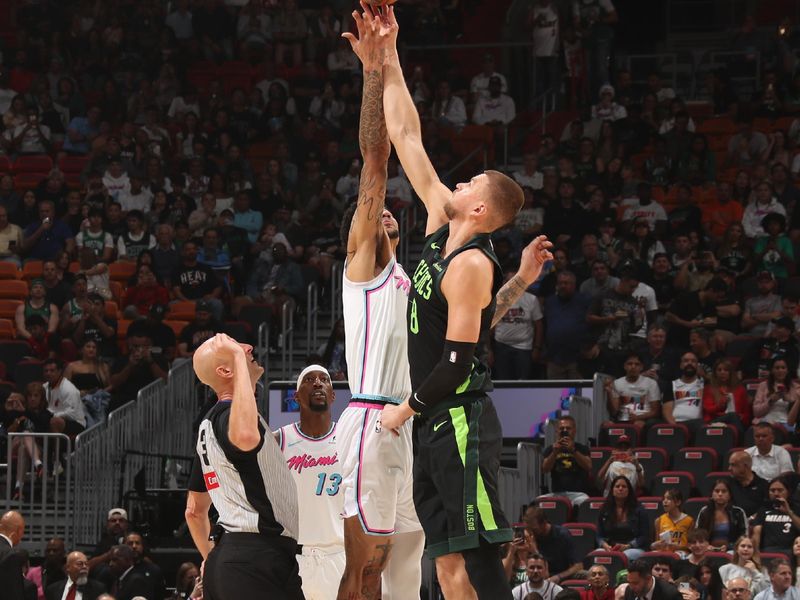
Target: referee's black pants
244,566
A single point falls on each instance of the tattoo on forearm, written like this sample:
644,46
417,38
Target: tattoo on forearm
507,296
372,133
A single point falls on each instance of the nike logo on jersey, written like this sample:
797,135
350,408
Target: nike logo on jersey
435,246
438,425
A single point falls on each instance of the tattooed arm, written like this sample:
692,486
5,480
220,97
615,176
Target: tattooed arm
368,244
534,256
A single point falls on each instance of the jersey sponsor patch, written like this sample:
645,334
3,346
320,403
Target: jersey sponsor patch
212,482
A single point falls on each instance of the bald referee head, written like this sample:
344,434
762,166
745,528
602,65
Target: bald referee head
214,363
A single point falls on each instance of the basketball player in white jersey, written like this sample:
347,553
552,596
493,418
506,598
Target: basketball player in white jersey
376,470
309,446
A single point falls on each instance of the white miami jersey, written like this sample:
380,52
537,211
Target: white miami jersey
316,470
375,334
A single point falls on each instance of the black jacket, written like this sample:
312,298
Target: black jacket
90,591
10,572
662,591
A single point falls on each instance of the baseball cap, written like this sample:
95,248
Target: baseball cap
118,512
623,440
203,305
785,322
766,275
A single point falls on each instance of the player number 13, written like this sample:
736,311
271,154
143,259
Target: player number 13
334,479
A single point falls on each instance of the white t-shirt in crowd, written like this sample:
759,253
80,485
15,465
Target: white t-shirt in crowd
688,400
636,397
515,329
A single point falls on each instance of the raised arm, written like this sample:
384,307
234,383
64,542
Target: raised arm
405,132
534,256
367,234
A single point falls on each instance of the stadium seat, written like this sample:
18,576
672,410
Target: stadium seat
121,270
768,557
28,181
721,437
652,506
692,506
669,437
8,308
696,460
72,164
7,329
37,163
705,485
557,508
117,291
32,269
122,328
182,311
653,460
589,511
609,434
613,561
112,309
5,164
12,352
14,289
8,270
579,585
584,537
666,480
26,371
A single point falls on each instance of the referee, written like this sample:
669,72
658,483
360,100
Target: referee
240,469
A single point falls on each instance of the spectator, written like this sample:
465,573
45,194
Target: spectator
91,376
166,257
662,568
671,527
144,565
633,398
135,196
152,326
479,85
289,30
749,490
696,309
777,398
569,464
781,343
623,525
245,217
762,204
745,564
63,400
52,569
95,325
497,109
644,207
615,316
746,147
42,343
77,579
10,239
46,236
195,281
198,330
700,341
607,109
136,239
721,212
131,373
642,584
698,548
146,292
780,576
683,403
82,132
685,214
724,521
57,289
36,304
530,175
554,543
733,252
124,581
543,19
725,399
776,525
622,463
659,360
30,137
94,237
448,110
117,526
769,459
188,574
538,581
518,337
14,419
599,585
773,252
600,282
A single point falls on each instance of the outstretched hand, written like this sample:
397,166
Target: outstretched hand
377,32
534,256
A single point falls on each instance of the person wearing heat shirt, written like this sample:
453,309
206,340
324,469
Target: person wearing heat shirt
633,398
684,400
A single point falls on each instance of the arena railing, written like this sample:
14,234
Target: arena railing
336,291
47,503
262,345
286,338
312,317
509,488
599,404
529,464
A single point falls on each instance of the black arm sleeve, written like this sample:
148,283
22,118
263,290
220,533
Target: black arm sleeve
450,372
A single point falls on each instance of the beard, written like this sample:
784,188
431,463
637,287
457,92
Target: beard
393,233
318,408
82,580
689,371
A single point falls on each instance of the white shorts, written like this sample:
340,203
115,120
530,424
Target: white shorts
377,471
321,572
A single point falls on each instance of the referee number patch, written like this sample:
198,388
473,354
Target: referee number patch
212,482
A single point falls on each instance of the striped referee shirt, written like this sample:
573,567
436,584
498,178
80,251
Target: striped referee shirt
252,491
